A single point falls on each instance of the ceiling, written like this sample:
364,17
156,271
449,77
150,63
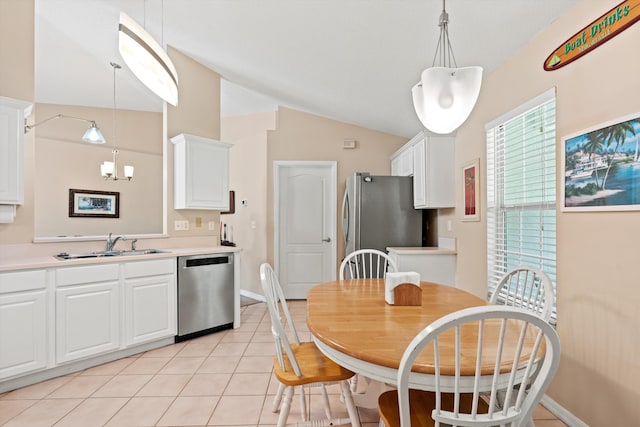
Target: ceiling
349,60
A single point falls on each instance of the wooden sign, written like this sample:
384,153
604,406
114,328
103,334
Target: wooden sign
595,34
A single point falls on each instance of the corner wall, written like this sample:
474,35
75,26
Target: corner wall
597,275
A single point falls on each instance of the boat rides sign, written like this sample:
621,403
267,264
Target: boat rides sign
602,167
595,34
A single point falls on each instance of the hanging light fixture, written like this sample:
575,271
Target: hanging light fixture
109,170
445,95
92,134
147,59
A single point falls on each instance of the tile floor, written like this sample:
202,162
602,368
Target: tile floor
223,379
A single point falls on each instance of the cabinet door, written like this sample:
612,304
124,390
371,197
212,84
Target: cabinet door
23,333
419,150
87,320
12,115
150,308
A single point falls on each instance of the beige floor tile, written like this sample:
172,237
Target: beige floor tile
212,339
236,336
260,349
234,410
247,384
44,413
123,386
166,351
189,411
550,423
249,326
206,385
93,412
260,336
39,390
80,387
111,368
196,349
219,364
165,385
268,417
146,365
229,349
255,364
141,411
542,413
182,365
12,408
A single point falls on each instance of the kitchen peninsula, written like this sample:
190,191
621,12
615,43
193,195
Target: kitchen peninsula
61,316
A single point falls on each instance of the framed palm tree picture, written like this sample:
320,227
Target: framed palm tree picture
471,191
601,167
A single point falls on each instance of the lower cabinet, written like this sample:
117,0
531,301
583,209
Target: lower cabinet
433,265
23,333
150,300
87,320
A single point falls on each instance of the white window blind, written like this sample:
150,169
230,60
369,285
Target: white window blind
521,191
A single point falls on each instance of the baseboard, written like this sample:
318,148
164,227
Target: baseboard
252,295
563,415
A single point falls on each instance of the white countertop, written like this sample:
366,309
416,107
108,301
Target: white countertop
422,250
24,262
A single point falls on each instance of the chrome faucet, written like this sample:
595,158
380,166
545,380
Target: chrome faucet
112,242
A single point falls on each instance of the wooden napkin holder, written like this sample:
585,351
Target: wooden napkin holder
407,294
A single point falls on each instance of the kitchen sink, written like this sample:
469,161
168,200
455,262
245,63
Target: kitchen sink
65,255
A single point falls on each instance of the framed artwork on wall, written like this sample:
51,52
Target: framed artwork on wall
471,191
601,167
94,204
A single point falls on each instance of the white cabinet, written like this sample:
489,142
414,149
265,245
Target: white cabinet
150,300
433,264
432,166
23,320
201,173
402,161
12,115
87,311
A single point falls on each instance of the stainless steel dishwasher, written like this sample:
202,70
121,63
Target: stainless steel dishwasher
205,294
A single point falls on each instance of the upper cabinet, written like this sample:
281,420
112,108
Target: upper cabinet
433,159
201,173
12,115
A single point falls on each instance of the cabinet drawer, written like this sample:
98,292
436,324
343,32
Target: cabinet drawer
28,280
87,274
154,267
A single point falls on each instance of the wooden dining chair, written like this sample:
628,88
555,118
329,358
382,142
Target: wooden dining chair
487,328
298,364
526,287
366,263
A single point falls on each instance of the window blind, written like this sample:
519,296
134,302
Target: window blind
521,192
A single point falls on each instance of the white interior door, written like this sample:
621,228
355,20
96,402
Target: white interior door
305,225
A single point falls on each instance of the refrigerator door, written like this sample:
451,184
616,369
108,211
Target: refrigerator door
385,213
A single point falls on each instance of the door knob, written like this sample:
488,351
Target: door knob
328,239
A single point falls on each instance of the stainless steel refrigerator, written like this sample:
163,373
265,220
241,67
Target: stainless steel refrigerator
377,212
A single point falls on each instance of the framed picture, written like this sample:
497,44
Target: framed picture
94,204
232,203
601,167
471,191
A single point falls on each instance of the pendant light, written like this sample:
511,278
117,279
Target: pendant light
92,135
109,170
445,95
147,59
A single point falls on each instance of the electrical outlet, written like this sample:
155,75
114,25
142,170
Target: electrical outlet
181,225
212,225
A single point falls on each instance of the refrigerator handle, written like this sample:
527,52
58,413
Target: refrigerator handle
345,217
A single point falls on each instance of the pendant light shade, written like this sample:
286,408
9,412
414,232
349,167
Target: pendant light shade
93,135
147,60
444,97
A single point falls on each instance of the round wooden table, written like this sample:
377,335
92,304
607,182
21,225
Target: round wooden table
353,325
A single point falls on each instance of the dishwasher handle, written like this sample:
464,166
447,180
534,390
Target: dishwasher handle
200,262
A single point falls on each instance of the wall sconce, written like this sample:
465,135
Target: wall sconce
92,135
445,95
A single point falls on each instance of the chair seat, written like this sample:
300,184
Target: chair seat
315,367
390,414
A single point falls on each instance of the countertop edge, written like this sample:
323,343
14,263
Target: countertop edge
35,262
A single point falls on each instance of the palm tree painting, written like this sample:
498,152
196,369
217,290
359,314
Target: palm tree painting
602,168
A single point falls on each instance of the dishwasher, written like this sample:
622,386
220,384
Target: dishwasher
205,294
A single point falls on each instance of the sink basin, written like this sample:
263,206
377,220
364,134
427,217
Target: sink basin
65,255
